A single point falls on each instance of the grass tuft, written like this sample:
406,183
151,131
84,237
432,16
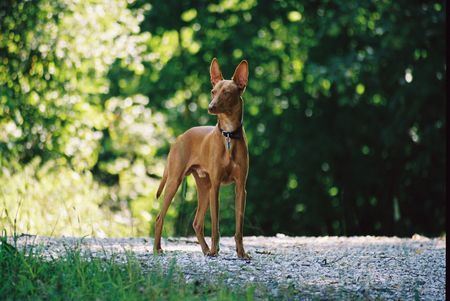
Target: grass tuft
26,274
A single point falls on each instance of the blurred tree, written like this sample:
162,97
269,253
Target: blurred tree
54,106
344,110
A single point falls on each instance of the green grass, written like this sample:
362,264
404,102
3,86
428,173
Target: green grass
25,274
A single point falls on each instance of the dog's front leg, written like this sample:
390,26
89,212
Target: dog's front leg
241,195
214,208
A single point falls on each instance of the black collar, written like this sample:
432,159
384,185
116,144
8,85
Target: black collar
236,134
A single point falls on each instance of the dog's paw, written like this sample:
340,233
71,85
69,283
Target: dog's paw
158,252
212,254
244,256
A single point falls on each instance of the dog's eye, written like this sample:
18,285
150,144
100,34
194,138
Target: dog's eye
213,92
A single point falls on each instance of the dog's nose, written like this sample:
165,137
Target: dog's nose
212,107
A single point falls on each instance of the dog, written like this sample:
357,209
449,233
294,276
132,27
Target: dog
214,155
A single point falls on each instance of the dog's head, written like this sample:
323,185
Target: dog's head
226,94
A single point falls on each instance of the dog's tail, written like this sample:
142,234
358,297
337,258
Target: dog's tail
162,184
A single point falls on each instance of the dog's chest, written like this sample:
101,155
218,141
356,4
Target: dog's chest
228,170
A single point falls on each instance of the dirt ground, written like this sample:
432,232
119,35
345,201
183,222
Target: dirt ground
282,267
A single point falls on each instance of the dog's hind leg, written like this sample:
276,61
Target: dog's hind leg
171,188
203,186
175,173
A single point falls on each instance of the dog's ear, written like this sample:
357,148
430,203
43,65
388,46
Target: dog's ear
240,76
214,71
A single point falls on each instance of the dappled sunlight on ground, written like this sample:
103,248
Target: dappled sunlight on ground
317,267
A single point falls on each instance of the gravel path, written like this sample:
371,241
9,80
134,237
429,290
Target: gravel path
303,268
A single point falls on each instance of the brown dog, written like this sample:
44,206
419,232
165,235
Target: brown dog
214,155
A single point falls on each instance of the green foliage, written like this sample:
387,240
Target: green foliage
53,199
344,110
29,275
53,79
55,110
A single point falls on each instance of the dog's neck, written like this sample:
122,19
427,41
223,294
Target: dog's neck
231,121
